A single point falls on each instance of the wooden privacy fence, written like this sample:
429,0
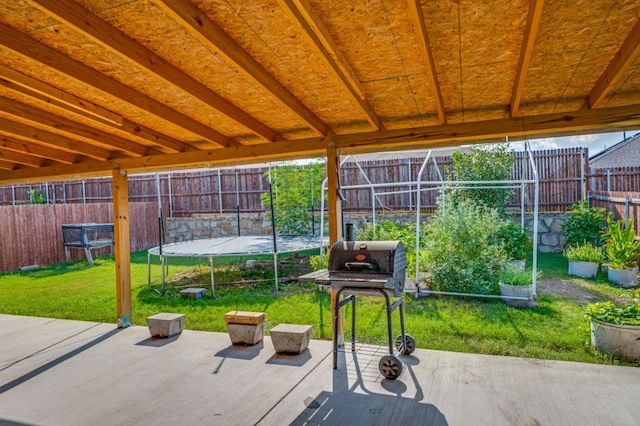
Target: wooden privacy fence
561,172
623,205
615,179
32,234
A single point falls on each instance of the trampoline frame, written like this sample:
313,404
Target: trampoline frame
283,244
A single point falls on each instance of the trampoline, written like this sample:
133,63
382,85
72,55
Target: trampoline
211,248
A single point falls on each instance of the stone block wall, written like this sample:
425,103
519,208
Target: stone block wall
178,229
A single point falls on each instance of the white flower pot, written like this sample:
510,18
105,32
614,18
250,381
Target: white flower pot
627,277
507,290
621,341
583,269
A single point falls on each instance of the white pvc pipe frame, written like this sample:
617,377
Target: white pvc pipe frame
442,184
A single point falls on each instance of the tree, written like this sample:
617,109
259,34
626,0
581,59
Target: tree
297,192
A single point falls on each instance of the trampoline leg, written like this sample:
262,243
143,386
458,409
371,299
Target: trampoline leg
148,269
275,268
162,265
213,289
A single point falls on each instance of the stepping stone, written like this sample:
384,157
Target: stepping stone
192,293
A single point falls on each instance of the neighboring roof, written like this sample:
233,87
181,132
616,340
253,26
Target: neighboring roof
89,86
623,154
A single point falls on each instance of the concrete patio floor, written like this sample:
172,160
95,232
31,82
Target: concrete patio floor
60,372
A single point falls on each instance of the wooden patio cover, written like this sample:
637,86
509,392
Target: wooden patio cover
114,87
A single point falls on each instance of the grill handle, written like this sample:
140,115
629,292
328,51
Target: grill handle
358,265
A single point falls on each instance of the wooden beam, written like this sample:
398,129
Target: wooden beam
17,145
90,134
33,50
303,17
211,35
528,43
122,246
334,204
620,62
44,93
116,41
558,124
415,10
42,137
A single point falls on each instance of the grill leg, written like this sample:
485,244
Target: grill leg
353,324
404,337
389,329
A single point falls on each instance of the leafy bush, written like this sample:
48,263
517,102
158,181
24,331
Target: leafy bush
627,314
319,261
388,230
584,253
512,276
482,164
516,241
622,247
585,225
462,252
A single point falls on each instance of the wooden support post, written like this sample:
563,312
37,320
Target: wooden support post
335,223
122,248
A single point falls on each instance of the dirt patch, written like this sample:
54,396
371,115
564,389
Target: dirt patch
573,289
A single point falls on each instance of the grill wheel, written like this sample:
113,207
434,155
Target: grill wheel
390,367
411,344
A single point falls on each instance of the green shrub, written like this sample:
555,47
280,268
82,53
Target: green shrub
512,276
584,253
622,247
585,225
515,240
388,230
462,252
319,261
489,163
627,314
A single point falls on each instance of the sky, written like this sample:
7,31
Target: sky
595,143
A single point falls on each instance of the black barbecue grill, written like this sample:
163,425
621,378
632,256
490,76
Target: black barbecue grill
371,268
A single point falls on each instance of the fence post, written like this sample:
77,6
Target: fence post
583,167
627,201
219,192
84,194
13,195
608,180
170,196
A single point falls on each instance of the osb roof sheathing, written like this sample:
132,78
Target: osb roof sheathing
308,76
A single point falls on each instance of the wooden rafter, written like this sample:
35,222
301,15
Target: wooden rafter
55,140
415,10
84,21
17,145
33,50
45,93
24,159
212,36
8,165
599,120
97,137
528,43
624,57
312,26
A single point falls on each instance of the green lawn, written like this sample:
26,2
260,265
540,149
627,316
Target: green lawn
555,329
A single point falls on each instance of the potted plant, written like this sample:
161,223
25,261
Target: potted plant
515,283
517,244
622,252
615,329
584,260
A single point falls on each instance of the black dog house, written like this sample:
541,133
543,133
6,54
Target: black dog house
87,236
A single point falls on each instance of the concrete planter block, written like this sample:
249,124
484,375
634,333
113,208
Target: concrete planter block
192,293
165,324
290,338
245,328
